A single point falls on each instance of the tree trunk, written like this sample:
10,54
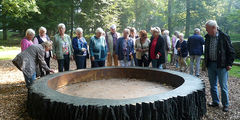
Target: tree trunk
188,18
72,13
170,17
4,22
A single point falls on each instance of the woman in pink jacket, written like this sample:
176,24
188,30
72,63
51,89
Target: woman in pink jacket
27,40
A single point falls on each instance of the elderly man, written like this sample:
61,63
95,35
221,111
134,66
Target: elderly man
125,49
219,56
111,39
98,49
39,39
28,60
195,48
62,48
27,40
167,41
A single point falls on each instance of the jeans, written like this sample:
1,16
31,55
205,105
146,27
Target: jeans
80,61
134,61
156,64
197,59
125,63
218,74
96,64
175,60
63,63
29,81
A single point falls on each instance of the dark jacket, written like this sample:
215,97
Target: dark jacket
225,51
184,51
119,48
195,45
160,48
78,49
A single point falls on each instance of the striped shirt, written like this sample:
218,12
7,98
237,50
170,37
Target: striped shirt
213,48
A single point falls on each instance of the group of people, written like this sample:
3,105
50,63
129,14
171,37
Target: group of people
130,49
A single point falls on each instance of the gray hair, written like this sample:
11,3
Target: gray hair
181,34
159,29
42,29
126,30
79,30
47,44
156,29
99,30
212,23
196,30
166,32
30,32
113,27
61,25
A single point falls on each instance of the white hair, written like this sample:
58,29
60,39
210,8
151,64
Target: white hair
47,44
156,29
99,30
212,23
113,27
166,32
42,29
30,32
79,30
126,30
61,25
181,34
196,30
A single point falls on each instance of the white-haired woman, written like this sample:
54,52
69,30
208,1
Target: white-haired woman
62,48
79,44
39,39
98,49
27,40
28,60
167,41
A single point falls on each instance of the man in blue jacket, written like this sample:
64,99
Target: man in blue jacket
195,47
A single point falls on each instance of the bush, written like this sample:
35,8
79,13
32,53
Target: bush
236,46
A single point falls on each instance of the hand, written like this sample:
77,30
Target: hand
52,71
179,49
84,49
108,53
54,57
229,68
157,56
92,58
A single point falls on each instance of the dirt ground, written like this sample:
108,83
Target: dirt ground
13,94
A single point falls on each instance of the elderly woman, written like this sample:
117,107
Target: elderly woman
79,44
98,49
182,52
27,40
62,48
39,39
28,60
156,49
142,47
125,49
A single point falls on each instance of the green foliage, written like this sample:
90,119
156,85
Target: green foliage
236,46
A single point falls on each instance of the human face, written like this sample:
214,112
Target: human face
155,34
125,34
30,36
98,35
42,33
61,31
79,34
181,38
113,30
212,30
48,49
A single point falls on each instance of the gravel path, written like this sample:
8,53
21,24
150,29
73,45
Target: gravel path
13,94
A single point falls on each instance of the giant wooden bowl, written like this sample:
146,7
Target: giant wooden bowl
187,101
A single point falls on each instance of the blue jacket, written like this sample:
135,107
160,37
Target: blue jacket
78,47
195,45
120,48
184,51
98,48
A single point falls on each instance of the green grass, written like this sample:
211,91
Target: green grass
235,71
3,48
235,37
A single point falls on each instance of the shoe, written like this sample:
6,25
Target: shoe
198,76
225,109
212,104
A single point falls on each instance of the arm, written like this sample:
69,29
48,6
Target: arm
91,45
230,53
75,45
117,47
40,57
54,46
169,42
